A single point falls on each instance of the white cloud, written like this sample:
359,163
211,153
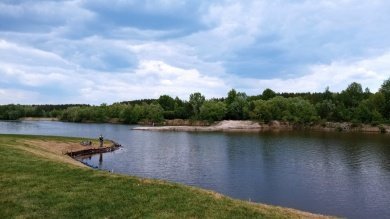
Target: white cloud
176,54
234,25
43,16
14,53
369,72
331,43
18,96
151,79
34,69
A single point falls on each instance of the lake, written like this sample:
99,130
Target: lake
342,174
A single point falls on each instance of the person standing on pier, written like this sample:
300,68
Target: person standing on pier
101,139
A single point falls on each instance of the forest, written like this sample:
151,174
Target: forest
350,105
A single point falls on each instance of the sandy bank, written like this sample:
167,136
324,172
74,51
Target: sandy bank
226,125
252,126
38,119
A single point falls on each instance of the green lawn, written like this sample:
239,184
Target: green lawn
34,185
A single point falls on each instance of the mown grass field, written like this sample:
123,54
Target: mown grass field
38,183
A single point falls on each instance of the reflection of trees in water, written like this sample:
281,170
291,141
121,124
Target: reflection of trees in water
383,153
354,153
362,161
354,150
363,149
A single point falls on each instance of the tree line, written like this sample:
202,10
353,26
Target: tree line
350,105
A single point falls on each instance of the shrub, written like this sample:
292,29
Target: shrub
382,129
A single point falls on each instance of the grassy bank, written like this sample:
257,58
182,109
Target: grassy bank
39,181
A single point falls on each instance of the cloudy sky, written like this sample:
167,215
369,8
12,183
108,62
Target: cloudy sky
95,51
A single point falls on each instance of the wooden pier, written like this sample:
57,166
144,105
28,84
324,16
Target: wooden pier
96,150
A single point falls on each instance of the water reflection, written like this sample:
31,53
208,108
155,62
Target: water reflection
100,160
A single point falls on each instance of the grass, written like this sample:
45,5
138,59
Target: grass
35,183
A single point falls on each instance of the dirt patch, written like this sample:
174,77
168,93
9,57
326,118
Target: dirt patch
226,125
56,150
288,212
185,122
39,119
253,126
64,147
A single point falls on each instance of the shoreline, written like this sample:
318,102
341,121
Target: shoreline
38,119
252,126
94,150
68,150
55,174
52,148
243,126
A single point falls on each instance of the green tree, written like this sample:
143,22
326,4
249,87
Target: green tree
301,110
231,97
385,90
294,109
101,113
137,113
378,102
352,96
327,95
72,114
326,109
168,105
154,112
183,110
268,94
237,105
166,102
278,107
114,110
261,111
196,101
126,114
367,113
213,110
367,93
341,113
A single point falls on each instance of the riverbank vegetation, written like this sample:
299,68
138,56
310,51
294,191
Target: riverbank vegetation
353,105
38,182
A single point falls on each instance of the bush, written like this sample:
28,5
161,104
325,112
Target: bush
297,110
212,110
375,123
382,129
355,124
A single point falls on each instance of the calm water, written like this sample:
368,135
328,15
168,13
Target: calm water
343,174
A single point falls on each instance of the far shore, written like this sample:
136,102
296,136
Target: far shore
39,119
253,126
244,126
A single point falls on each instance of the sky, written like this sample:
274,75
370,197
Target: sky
98,51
